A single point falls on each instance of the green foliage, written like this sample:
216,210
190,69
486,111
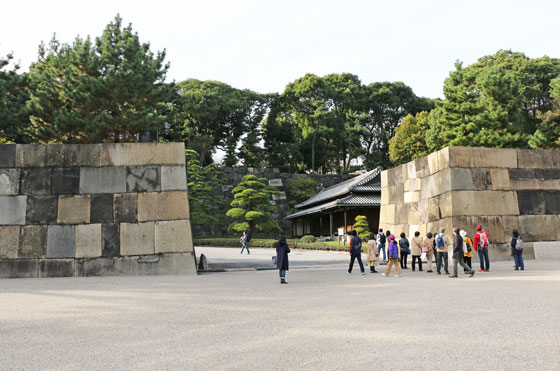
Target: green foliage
308,239
251,207
269,243
108,90
361,227
203,204
409,142
301,188
14,93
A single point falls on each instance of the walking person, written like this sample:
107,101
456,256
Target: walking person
416,249
481,246
244,243
282,251
381,240
442,257
469,245
405,246
373,253
517,250
355,252
458,254
393,252
428,248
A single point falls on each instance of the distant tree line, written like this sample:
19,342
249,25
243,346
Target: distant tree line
113,89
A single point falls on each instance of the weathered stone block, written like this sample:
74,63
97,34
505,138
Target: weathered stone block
422,167
434,212
500,179
521,173
20,268
411,197
547,173
444,158
387,213
401,213
384,178
433,164
88,241
33,241
126,208
275,183
101,208
162,206
12,210
65,181
7,155
174,178
279,196
411,170
9,241
413,218
134,154
70,155
446,180
73,209
30,155
110,240
173,236
539,202
227,188
474,203
60,241
534,159
482,157
493,225
535,184
143,179
9,182
36,181
49,268
547,250
102,180
137,239
41,209
533,227
482,179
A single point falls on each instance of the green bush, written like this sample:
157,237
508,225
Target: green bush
308,239
269,243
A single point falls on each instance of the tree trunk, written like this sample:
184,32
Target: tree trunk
313,152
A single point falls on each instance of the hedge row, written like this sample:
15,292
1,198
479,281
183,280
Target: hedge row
269,243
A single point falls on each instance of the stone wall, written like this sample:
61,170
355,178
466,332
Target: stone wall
99,209
501,189
232,177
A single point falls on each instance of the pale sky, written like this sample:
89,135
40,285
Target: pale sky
264,45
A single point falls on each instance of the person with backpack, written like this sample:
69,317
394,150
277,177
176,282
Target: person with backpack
442,257
282,251
481,246
393,253
416,249
355,252
405,246
428,248
517,249
381,241
458,253
468,246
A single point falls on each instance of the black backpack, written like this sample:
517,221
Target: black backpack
382,238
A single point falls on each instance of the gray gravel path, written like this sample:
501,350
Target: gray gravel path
323,319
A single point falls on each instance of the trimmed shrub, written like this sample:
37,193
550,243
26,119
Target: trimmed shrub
308,239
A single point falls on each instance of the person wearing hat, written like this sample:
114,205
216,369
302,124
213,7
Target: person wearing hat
481,246
393,257
469,244
458,254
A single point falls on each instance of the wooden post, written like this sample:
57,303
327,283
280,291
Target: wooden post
345,223
331,232
321,225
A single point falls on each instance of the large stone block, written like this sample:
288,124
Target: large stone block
534,227
423,206
9,182
110,240
411,169
473,157
500,179
73,209
126,208
384,178
88,241
12,210
534,184
140,154
548,173
275,183
475,203
411,197
30,155
173,236
163,264
65,181
143,179
101,208
387,214
444,158
36,181
534,159
137,239
521,173
433,165
434,212
539,202
493,225
41,209
446,180
9,241
422,167
547,250
162,206
102,180
49,268
60,241
7,155
401,213
73,155
33,241
173,178
19,268
482,180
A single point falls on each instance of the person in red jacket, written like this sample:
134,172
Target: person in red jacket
481,246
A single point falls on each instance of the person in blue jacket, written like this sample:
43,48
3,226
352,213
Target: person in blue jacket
393,257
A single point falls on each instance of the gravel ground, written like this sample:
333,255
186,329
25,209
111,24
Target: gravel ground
323,319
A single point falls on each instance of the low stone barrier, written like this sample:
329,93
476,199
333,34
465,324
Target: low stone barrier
94,209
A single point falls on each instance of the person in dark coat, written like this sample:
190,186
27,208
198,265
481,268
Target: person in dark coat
282,251
458,254
355,253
